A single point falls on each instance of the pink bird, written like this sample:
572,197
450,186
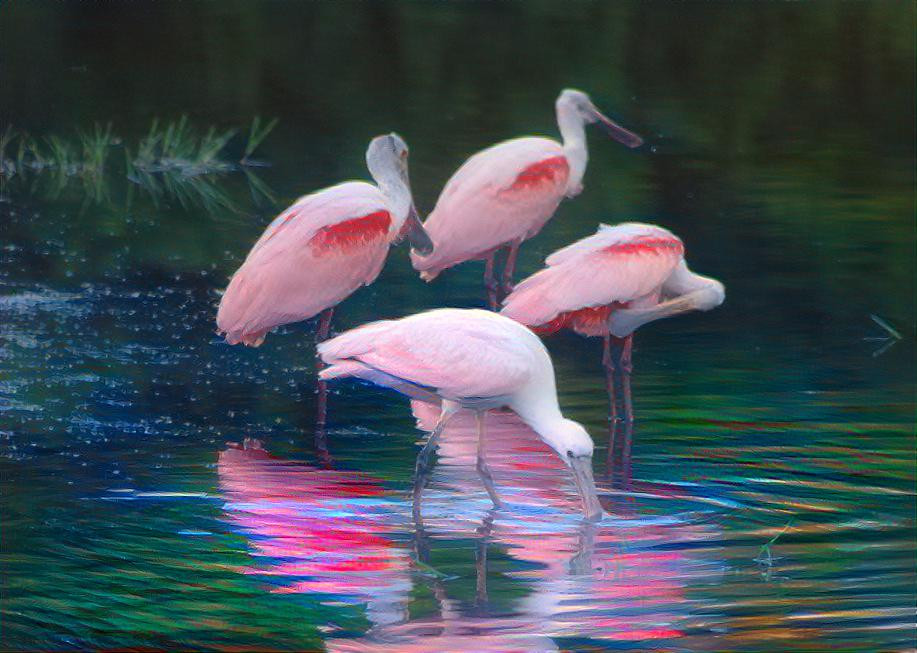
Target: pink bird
609,284
467,359
323,248
505,194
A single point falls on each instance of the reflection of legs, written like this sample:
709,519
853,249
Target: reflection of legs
490,283
480,568
480,560
483,469
625,455
425,459
509,267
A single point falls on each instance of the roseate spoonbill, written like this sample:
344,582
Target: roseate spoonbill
608,285
473,359
322,249
506,193
587,580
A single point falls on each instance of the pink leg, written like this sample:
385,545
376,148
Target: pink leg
490,283
627,367
321,437
321,408
510,267
324,325
608,364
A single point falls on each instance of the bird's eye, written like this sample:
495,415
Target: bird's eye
569,453
404,154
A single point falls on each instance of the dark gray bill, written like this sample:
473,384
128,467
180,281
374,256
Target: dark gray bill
585,483
616,131
417,235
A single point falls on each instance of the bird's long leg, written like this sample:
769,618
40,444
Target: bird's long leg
324,325
321,408
425,458
608,364
321,414
510,267
490,282
481,466
626,366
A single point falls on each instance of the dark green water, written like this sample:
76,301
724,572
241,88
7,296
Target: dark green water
780,148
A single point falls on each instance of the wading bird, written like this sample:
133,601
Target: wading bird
322,249
608,285
472,359
505,194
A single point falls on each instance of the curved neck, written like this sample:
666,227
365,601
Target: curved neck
572,129
398,196
538,408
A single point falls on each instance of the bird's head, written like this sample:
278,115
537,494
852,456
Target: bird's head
573,444
576,105
387,160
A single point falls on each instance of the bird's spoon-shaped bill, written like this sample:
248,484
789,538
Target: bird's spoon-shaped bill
616,131
581,466
418,237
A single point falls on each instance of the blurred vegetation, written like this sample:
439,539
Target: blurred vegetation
789,126
171,161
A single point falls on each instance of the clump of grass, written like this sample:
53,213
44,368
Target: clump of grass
176,147
95,148
172,160
256,135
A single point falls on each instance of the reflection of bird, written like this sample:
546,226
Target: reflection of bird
609,284
322,249
600,583
473,359
318,531
506,193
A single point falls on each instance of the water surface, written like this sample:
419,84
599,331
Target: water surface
769,497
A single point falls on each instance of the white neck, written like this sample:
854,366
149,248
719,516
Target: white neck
537,406
572,129
398,198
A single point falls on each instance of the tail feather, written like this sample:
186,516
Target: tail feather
356,369
353,343
531,303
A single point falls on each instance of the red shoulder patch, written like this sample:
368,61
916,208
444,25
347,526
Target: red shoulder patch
590,321
647,245
549,171
351,234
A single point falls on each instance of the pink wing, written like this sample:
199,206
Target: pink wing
311,257
503,193
618,264
459,353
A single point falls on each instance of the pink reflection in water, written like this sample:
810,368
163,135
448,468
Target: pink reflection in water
325,531
337,533
602,582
